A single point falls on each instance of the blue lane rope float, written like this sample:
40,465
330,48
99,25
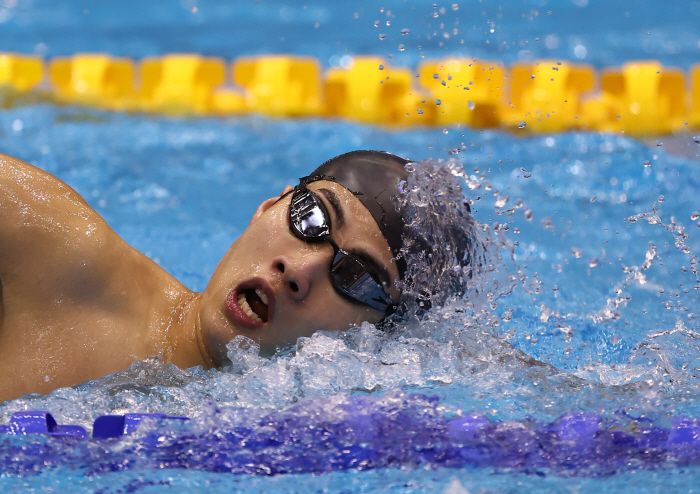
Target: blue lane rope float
639,98
104,427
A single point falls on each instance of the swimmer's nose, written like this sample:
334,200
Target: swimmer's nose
300,274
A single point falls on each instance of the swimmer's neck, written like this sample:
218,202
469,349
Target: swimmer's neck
181,340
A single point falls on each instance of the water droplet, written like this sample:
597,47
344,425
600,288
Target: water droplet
382,36
532,76
455,6
471,105
695,216
522,124
659,143
47,378
445,131
516,230
401,47
697,139
577,253
593,262
593,198
376,23
388,23
528,213
435,76
438,102
405,31
501,201
647,163
507,315
435,14
381,67
420,112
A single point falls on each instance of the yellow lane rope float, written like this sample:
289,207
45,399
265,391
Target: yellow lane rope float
639,98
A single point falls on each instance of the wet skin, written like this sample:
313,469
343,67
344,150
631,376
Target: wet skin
77,302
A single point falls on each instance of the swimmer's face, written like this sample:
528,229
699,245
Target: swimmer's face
285,282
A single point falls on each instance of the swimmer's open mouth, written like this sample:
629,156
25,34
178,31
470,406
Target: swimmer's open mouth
253,301
252,304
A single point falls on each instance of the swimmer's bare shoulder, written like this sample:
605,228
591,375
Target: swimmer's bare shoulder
78,302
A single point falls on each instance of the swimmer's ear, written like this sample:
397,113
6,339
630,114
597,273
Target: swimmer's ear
265,205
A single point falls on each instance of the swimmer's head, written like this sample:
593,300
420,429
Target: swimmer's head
330,254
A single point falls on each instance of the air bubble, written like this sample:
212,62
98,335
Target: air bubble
402,47
522,124
527,213
577,253
405,31
593,262
471,105
382,36
695,216
647,163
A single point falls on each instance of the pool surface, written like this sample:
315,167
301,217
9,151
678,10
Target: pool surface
576,371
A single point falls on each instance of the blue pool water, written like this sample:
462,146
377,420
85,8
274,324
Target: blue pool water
359,412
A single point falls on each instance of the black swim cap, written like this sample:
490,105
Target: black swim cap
373,177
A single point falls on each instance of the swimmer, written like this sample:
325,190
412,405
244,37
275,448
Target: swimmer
77,302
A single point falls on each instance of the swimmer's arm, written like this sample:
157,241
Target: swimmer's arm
46,228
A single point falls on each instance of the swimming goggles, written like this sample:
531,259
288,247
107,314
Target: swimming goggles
351,277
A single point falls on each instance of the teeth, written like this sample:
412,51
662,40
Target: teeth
262,295
246,308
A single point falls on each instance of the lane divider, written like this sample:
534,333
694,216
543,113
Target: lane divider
639,98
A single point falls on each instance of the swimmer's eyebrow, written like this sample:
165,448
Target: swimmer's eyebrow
335,204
